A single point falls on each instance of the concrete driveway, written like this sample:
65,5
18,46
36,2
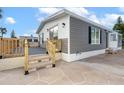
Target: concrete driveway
101,69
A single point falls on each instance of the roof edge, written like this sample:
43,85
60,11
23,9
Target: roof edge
73,15
49,17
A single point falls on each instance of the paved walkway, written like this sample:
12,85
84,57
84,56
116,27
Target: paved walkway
102,69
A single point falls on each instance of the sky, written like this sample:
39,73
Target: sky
25,21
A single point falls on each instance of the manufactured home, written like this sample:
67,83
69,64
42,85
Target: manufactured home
81,38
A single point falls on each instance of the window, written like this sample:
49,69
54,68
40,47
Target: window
29,40
53,32
95,35
113,37
35,40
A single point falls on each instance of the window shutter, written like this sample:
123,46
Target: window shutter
89,34
100,36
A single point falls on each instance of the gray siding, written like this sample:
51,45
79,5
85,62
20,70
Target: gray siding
79,37
65,45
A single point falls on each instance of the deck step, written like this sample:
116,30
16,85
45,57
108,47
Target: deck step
38,61
38,58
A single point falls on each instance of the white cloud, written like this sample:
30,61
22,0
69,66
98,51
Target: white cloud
39,19
121,9
30,32
26,34
48,10
80,11
94,18
10,20
110,19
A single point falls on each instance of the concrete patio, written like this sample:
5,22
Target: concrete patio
101,69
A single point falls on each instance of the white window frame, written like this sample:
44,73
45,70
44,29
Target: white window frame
96,40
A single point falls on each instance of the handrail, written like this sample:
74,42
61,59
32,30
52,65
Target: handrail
51,46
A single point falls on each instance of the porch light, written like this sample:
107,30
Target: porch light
63,25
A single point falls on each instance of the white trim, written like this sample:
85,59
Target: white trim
69,37
74,57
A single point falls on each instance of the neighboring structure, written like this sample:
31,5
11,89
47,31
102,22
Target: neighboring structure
33,41
81,38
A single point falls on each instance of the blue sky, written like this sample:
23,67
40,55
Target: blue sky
25,21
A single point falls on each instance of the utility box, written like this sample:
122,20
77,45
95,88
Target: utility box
114,40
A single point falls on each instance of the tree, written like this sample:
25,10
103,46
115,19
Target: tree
119,26
119,20
13,34
3,31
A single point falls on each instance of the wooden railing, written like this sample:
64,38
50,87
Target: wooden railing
11,47
52,46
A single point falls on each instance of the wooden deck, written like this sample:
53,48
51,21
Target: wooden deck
11,47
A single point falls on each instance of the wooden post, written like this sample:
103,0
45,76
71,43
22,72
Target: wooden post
53,62
19,47
16,47
3,48
51,48
53,55
26,57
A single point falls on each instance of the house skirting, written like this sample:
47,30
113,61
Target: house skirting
74,57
